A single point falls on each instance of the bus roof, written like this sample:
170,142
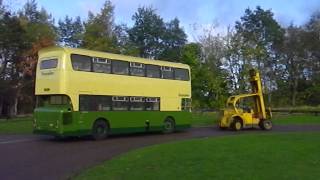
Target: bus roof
113,56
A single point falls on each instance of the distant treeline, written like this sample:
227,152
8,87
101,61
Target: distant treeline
287,57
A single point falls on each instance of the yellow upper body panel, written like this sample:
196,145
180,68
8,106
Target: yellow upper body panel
64,80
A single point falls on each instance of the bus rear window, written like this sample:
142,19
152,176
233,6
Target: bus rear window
49,64
59,100
52,100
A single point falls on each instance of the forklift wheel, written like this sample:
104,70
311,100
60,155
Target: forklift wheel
265,125
236,125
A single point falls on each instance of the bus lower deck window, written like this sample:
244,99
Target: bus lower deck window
152,104
137,103
120,103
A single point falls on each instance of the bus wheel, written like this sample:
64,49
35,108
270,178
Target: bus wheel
168,126
265,125
100,130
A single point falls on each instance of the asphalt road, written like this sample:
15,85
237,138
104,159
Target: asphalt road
42,157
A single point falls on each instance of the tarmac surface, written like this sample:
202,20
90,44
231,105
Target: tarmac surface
43,157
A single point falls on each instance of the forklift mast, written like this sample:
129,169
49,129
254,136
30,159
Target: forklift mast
259,106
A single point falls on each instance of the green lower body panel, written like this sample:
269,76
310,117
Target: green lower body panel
61,123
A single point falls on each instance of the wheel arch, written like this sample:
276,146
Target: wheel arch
237,117
101,119
170,117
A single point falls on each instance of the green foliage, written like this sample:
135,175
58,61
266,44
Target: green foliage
259,35
99,30
251,156
147,32
70,32
288,58
174,38
22,34
208,84
153,38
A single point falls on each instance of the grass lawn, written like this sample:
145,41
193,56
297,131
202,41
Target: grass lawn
264,156
296,119
212,118
16,126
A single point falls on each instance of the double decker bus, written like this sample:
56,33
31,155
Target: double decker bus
83,92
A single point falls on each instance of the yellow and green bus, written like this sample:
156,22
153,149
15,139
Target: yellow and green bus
83,92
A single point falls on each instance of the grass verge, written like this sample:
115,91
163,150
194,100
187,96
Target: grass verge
204,119
269,156
296,119
212,118
16,126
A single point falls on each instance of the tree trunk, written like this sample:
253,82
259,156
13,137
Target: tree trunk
294,92
1,107
269,98
13,109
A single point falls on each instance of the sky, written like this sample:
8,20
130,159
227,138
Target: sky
191,13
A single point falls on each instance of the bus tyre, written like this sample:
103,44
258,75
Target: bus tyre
168,126
236,124
100,130
265,125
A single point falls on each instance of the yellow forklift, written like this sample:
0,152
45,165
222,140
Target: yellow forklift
237,116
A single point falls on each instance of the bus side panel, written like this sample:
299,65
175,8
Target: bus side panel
126,121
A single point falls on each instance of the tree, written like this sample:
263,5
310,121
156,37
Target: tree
260,36
174,38
155,39
293,59
22,37
311,45
70,32
12,44
212,74
208,87
99,30
147,32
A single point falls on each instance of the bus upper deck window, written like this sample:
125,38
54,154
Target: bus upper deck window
101,65
81,62
181,74
167,72
120,67
153,71
137,69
